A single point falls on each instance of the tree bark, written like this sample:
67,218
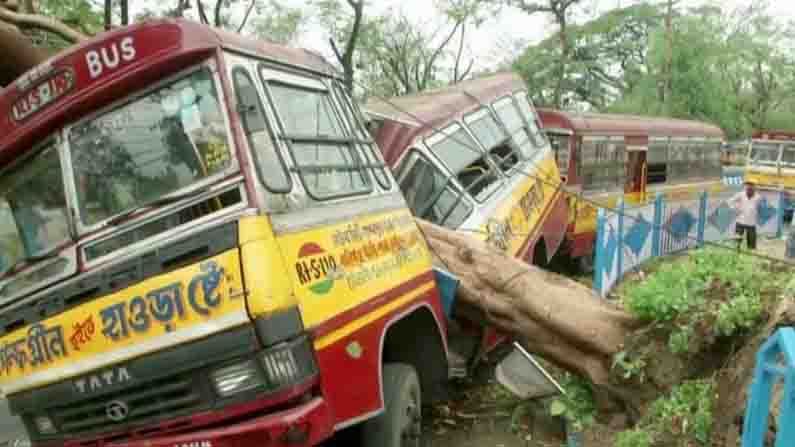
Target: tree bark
17,54
125,12
108,14
41,22
554,317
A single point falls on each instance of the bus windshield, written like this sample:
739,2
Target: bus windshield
157,144
33,217
764,153
461,154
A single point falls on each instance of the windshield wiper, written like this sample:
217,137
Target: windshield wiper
155,203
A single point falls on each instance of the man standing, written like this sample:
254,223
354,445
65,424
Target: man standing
746,203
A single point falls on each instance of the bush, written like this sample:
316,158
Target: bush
706,285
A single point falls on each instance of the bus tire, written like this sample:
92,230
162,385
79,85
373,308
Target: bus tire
400,425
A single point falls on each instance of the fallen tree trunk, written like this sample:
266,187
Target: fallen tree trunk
555,317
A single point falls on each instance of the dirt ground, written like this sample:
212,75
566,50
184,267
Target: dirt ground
487,415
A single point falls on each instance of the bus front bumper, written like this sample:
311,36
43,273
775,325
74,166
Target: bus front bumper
304,425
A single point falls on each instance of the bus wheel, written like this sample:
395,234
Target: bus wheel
400,425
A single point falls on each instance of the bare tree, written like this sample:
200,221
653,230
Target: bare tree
346,58
559,9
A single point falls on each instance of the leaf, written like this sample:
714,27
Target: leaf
557,408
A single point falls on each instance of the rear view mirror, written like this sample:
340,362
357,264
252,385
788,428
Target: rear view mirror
523,376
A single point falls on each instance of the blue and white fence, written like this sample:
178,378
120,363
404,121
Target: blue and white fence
628,236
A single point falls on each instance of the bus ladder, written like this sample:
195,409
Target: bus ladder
775,362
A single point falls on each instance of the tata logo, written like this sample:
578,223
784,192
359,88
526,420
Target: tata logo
117,411
99,382
316,268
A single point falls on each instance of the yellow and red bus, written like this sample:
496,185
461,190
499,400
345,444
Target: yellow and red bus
202,246
606,158
471,157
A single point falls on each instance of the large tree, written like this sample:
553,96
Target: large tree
608,57
560,10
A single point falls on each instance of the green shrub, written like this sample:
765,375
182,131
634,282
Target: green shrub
686,411
634,438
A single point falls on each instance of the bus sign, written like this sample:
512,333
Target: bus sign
43,94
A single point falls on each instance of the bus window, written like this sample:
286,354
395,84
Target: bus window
460,154
270,163
432,196
488,131
32,209
788,156
155,145
511,117
657,159
764,153
678,164
528,111
712,159
603,164
326,157
560,146
696,161
367,146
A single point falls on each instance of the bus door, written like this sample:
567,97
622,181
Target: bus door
635,184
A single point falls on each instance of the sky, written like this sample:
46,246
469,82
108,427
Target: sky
497,38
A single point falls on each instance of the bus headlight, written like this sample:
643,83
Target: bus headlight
237,378
289,363
44,425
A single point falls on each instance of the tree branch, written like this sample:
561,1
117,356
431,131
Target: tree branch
248,13
467,71
37,21
530,8
458,55
202,13
435,55
108,14
217,15
350,46
125,12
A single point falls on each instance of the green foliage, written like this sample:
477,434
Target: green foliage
679,341
608,56
634,438
738,314
707,285
278,22
685,413
630,367
577,404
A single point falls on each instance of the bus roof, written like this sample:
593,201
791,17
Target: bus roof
632,125
92,74
414,116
